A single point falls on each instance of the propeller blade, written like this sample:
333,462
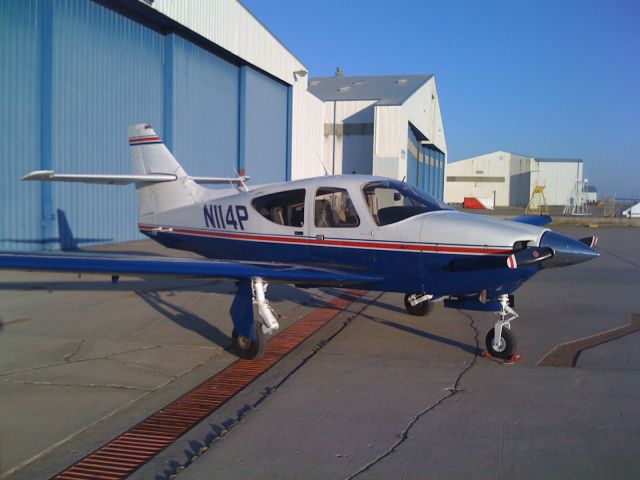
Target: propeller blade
590,241
528,256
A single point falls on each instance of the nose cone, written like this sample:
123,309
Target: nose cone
566,250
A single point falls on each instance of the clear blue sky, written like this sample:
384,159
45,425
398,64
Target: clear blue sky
542,78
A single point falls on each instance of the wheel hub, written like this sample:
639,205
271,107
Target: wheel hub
244,342
501,346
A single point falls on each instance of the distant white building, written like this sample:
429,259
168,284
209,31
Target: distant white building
590,193
510,178
383,125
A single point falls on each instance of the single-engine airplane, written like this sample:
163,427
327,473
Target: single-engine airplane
368,232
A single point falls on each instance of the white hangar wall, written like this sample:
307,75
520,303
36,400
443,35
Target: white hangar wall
512,178
389,126
558,176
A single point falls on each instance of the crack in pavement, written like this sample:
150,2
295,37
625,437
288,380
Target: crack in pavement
403,435
194,452
619,257
67,357
88,385
69,362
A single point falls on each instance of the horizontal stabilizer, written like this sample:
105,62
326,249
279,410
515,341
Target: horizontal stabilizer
111,179
51,176
539,220
178,267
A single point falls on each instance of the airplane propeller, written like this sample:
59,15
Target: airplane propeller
555,250
529,256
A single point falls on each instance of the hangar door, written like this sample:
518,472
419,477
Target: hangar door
264,127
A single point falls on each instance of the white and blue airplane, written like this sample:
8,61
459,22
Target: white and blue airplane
360,231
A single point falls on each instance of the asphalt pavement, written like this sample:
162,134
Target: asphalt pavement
376,393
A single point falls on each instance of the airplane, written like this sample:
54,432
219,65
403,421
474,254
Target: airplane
360,231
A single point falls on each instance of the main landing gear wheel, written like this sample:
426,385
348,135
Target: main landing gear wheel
506,347
419,310
250,349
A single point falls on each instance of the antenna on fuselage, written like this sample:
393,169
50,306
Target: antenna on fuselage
241,185
326,172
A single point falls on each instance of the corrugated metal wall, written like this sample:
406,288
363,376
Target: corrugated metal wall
425,166
20,224
264,145
206,110
74,75
107,74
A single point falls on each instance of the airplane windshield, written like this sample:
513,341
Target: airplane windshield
391,201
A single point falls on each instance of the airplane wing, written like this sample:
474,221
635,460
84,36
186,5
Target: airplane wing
539,220
178,267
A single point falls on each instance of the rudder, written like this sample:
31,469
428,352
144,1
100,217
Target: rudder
149,155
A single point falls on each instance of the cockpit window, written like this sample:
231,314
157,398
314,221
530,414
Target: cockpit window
391,201
333,209
284,208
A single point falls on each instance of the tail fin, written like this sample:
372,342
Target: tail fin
150,156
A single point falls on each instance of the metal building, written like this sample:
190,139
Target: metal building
211,79
383,125
510,178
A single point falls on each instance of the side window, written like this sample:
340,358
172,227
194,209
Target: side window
283,208
333,209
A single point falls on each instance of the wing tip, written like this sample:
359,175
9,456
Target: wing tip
38,175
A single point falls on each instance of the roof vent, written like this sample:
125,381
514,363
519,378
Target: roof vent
402,81
344,89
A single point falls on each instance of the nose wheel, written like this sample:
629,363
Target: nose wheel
500,341
418,304
505,347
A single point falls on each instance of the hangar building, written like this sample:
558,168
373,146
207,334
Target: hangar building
223,92
510,178
383,125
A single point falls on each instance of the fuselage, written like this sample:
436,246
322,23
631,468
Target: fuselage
409,250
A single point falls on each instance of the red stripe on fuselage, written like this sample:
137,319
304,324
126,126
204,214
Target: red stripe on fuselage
347,243
137,140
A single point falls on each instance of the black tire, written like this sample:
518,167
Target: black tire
507,344
250,349
421,310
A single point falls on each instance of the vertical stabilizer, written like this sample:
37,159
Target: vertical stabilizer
148,156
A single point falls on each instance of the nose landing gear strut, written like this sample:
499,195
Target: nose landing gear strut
500,342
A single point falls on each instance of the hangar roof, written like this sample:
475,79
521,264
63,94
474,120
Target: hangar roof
387,89
558,160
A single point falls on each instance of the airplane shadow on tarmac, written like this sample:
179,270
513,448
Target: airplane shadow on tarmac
472,349
185,319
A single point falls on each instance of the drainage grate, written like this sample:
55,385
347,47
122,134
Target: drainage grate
125,454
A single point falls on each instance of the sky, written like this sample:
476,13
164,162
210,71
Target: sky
541,78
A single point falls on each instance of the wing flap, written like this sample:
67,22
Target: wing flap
177,267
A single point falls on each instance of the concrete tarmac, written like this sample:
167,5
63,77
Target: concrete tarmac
374,394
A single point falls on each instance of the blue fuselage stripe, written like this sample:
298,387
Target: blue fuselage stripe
399,270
